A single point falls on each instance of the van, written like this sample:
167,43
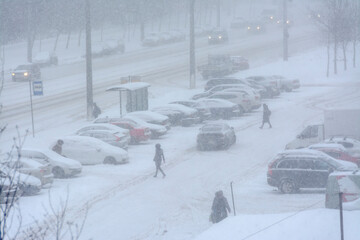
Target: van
348,183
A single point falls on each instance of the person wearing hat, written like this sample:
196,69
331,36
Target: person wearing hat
58,146
219,208
159,156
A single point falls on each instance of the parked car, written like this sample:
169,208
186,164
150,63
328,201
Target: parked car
336,151
105,126
43,59
152,117
27,184
61,166
187,116
218,35
352,145
89,151
271,85
111,137
221,87
220,108
239,98
347,183
155,129
26,72
286,84
137,133
215,135
250,94
291,170
107,47
30,167
10,192
203,111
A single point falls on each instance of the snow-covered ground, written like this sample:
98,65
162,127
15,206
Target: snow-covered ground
126,202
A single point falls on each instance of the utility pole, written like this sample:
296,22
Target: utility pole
341,216
218,13
89,88
28,30
285,31
192,45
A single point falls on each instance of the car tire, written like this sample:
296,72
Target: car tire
288,186
58,172
110,160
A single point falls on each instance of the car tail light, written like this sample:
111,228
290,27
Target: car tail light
117,138
349,197
270,166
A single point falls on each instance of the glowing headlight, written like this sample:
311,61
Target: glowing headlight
249,28
220,37
271,17
287,21
209,37
26,74
318,16
278,22
13,74
258,28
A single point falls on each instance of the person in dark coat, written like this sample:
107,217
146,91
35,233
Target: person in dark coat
159,156
266,116
96,110
58,146
219,208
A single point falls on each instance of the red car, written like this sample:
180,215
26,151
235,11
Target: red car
336,152
137,133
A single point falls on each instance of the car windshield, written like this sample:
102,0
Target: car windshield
212,128
23,67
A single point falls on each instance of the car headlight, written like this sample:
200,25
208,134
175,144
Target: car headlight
249,28
209,37
258,28
13,74
220,37
26,74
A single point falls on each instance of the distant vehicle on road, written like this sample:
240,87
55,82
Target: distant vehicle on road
256,27
26,72
218,65
217,36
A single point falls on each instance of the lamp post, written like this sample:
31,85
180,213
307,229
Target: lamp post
89,88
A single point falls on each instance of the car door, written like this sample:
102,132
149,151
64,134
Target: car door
320,173
78,151
305,167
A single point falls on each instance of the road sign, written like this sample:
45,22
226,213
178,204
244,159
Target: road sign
37,88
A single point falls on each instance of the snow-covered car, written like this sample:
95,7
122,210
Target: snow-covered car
215,135
222,81
352,145
27,184
188,116
104,126
152,39
253,96
30,167
43,59
336,151
137,132
61,166
239,63
286,84
26,72
220,108
204,113
291,170
152,117
271,85
10,191
240,98
89,151
111,137
155,129
347,183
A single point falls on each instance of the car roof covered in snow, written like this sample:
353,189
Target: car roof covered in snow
129,86
148,115
327,146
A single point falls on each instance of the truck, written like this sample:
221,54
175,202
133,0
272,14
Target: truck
337,123
219,65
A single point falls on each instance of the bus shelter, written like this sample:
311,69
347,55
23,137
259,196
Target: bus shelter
133,95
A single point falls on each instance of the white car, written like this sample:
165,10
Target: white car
253,96
239,98
61,166
104,126
155,129
152,117
352,145
179,114
111,137
88,150
28,185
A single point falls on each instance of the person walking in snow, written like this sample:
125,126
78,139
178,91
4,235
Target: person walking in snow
96,110
159,156
220,208
266,116
58,146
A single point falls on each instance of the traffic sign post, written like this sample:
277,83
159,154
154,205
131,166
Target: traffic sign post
37,88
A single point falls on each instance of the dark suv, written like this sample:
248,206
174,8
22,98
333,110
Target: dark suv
215,135
26,72
295,169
